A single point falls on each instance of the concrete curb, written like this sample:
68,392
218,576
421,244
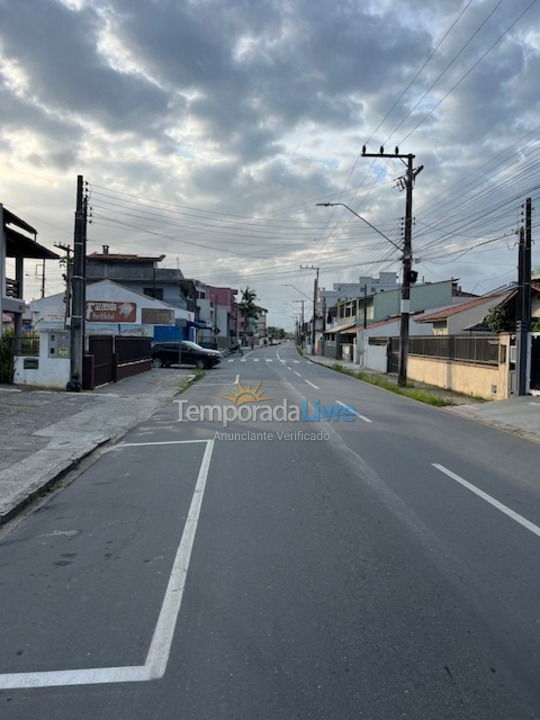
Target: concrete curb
36,488
503,427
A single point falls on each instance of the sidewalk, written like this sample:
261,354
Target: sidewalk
518,415
45,433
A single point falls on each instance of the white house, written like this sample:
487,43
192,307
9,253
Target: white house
111,308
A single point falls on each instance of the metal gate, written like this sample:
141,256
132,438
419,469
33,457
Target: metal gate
535,362
101,348
393,354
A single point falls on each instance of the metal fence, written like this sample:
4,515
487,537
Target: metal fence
27,344
479,349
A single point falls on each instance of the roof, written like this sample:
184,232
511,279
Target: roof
19,245
124,257
454,309
12,219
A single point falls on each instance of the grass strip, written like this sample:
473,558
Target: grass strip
190,380
409,391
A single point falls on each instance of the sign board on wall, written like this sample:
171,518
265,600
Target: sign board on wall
153,316
99,311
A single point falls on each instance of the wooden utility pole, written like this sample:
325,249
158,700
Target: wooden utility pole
67,280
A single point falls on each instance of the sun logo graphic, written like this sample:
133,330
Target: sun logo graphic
246,394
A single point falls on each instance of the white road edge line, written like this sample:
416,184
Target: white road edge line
491,500
351,409
160,647
312,385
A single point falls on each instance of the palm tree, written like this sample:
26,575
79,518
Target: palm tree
248,310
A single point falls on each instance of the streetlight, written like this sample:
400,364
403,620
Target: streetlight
329,204
408,276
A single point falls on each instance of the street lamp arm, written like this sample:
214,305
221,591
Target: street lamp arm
329,204
299,291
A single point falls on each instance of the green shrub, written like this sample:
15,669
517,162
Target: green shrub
6,357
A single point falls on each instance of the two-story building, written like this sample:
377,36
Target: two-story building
17,241
141,274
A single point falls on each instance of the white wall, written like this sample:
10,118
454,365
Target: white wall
375,358
51,372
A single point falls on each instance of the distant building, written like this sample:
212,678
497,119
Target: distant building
142,274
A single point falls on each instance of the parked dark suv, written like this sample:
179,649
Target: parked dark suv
186,352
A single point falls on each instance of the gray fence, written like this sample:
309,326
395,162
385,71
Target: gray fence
479,349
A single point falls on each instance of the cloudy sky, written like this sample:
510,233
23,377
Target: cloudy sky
209,129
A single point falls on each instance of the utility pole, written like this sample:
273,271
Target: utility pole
365,307
524,298
78,291
301,322
43,279
315,293
67,279
409,276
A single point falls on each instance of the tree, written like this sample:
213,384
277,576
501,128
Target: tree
501,318
276,332
248,309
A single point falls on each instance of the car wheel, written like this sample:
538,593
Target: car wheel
157,363
200,364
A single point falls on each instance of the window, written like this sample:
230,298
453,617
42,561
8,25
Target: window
156,293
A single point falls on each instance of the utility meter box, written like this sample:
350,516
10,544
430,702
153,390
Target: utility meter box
58,345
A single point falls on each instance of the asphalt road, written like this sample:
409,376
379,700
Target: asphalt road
388,570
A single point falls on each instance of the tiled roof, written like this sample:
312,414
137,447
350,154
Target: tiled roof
454,309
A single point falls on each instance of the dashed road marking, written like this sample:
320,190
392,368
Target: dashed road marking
362,417
312,385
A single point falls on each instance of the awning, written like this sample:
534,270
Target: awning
341,327
200,324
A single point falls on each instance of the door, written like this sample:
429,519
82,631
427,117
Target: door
101,347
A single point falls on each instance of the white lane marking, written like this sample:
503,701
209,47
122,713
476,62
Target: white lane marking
268,359
297,373
160,442
312,385
255,359
236,380
278,357
289,368
491,500
362,417
296,361
248,353
230,360
160,647
243,360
